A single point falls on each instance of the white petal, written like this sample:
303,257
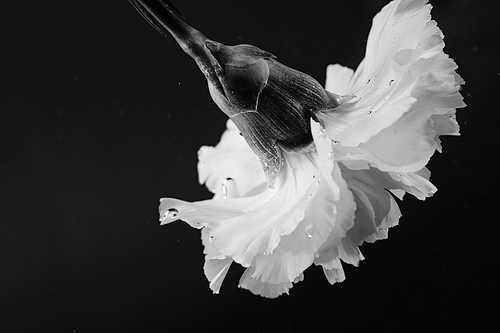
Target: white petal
410,82
338,78
280,267
397,27
333,271
233,159
263,288
275,213
215,271
216,264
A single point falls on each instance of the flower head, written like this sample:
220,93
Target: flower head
338,192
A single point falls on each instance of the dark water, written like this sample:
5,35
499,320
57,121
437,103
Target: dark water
100,116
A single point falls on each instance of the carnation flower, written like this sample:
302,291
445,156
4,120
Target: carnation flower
315,201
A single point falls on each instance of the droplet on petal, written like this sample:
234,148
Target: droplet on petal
224,187
169,214
309,229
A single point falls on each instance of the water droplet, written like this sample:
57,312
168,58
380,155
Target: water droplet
317,183
369,112
329,155
313,176
228,188
321,132
170,214
309,229
224,188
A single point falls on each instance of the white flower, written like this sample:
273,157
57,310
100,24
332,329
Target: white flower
327,201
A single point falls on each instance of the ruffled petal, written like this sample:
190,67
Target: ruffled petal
280,267
333,271
248,226
265,289
329,215
407,93
279,231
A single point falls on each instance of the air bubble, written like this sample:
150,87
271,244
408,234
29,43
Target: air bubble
211,239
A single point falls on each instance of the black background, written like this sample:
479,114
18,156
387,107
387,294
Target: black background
100,116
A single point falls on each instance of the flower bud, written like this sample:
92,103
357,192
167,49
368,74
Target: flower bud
270,103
